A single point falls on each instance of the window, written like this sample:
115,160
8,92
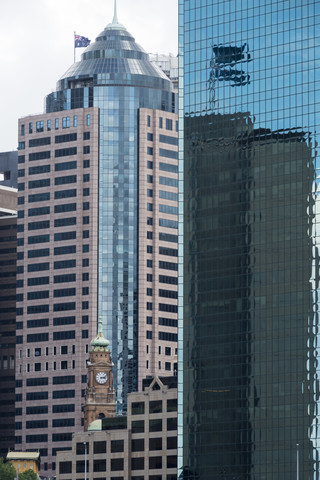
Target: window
168,209
163,222
150,150
86,177
170,182
150,179
64,264
86,149
137,408
148,120
63,222
99,465
65,179
65,166
137,426
67,207
64,321
149,164
149,221
56,123
70,137
65,122
63,394
63,408
172,461
64,335
150,235
150,137
65,250
88,119
171,423
155,443
137,463
38,337
116,464
163,152
75,120
160,122
149,263
168,124
155,462
65,193
150,207
48,125
30,127
32,212
44,182
168,139
167,167
39,155
39,197
65,152
39,126
117,446
100,447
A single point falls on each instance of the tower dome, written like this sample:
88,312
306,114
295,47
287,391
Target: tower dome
100,343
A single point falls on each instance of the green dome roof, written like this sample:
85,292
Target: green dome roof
100,342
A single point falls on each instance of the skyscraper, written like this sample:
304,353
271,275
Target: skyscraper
97,236
251,261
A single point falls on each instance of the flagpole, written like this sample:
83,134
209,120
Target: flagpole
74,47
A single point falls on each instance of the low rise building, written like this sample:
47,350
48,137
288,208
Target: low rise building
139,446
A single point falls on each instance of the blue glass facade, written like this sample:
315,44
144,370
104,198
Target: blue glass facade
115,75
250,335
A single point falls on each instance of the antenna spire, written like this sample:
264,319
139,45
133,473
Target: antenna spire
115,18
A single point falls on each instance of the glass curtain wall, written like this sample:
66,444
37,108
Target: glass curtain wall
251,260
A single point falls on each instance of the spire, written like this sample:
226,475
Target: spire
115,18
115,25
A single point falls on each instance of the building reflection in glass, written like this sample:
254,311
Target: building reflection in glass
251,261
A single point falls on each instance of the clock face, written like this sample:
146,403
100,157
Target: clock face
101,377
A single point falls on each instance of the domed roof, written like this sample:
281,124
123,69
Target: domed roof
100,343
115,57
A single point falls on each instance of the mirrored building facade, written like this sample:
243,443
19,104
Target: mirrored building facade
250,332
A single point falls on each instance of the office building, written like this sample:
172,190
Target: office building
97,236
251,261
140,445
8,258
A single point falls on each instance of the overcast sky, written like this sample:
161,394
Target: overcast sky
36,46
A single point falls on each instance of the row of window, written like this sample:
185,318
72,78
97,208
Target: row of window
117,464
166,336
59,335
39,267
57,307
45,182
66,123
38,367
168,123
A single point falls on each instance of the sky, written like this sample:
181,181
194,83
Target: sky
36,46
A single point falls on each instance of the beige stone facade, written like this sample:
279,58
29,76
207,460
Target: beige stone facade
158,247
57,275
141,446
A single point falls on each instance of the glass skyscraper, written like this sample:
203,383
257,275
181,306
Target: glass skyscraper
250,115
115,74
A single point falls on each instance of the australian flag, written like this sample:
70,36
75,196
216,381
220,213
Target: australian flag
80,41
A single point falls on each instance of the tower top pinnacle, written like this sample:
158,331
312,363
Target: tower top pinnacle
115,18
115,23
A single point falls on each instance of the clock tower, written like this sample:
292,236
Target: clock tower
100,395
